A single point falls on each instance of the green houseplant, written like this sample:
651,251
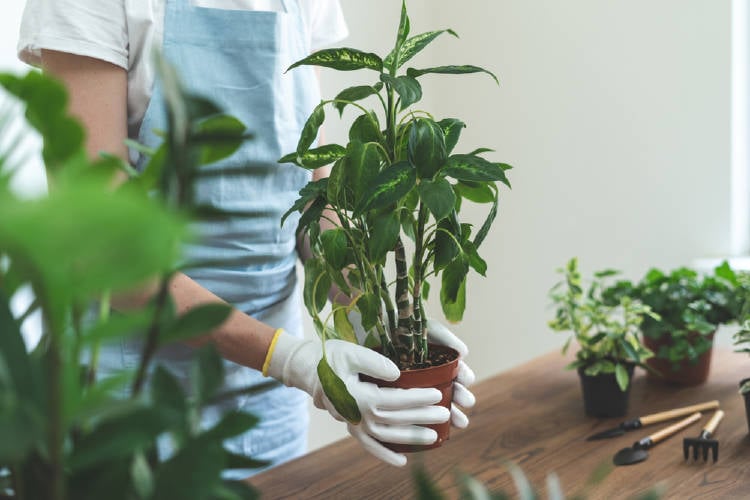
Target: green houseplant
394,197
691,307
742,341
66,432
607,335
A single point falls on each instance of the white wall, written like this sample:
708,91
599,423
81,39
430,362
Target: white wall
616,116
30,180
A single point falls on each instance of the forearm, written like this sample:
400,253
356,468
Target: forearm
241,338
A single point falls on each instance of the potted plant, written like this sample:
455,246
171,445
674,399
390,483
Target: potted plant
742,341
393,197
691,307
607,335
64,431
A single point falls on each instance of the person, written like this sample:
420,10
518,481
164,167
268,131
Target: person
234,52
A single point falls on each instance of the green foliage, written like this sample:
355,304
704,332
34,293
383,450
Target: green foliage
691,307
64,430
397,178
471,488
605,330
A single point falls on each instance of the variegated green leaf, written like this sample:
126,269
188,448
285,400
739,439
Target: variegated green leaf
474,168
353,94
450,70
336,247
391,184
438,196
401,35
369,307
342,59
447,240
452,129
482,233
310,129
315,158
413,46
366,128
453,290
385,230
426,148
478,192
407,88
307,194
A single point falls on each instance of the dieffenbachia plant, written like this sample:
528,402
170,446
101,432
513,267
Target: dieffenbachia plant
396,185
607,333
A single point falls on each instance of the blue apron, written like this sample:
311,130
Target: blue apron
237,59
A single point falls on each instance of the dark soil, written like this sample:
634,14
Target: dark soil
437,355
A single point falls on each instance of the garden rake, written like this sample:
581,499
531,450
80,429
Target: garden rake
703,443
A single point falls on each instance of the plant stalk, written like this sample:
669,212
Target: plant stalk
419,329
152,338
55,319
404,329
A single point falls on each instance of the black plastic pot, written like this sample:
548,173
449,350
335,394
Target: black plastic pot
602,396
747,402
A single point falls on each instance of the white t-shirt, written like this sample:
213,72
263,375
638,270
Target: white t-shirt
124,33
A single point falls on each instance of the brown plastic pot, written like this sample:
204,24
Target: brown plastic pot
440,377
688,373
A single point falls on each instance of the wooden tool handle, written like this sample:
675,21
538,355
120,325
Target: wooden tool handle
678,412
714,422
668,431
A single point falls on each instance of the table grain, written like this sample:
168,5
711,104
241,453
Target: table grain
533,416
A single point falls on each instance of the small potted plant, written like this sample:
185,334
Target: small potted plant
394,196
742,341
691,308
607,335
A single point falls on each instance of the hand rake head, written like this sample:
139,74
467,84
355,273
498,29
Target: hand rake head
703,444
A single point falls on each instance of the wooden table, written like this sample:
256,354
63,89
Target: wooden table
533,416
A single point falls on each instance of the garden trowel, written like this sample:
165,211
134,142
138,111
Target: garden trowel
638,452
654,418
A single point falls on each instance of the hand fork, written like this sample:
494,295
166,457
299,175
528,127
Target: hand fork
704,443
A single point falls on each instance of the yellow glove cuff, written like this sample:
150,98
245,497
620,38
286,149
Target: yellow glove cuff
271,348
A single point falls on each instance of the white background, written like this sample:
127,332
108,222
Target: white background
616,116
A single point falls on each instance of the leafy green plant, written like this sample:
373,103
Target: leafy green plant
471,488
394,194
742,340
690,306
606,331
65,430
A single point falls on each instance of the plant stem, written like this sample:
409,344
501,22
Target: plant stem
16,482
389,309
404,330
56,315
149,348
418,278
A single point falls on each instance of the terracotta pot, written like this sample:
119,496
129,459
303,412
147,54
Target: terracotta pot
602,396
440,377
688,374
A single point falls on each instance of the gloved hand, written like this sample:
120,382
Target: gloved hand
388,414
438,333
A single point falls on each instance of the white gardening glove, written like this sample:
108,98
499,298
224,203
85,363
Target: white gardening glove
438,333
388,414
